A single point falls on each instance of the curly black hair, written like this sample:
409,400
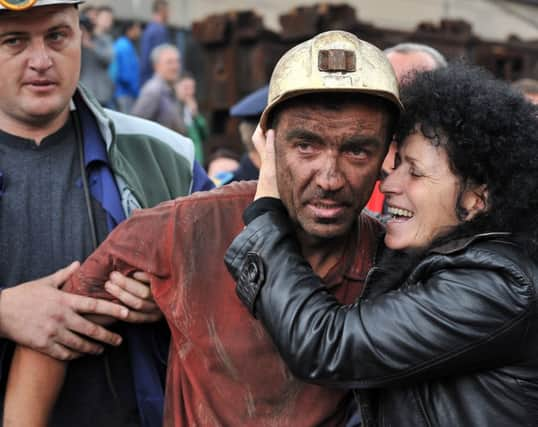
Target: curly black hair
490,132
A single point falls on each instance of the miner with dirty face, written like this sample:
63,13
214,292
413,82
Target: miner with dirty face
332,103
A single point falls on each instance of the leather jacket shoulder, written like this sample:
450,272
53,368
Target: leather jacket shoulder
463,322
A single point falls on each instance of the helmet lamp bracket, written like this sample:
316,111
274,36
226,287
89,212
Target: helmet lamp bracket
334,60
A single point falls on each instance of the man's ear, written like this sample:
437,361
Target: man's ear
474,201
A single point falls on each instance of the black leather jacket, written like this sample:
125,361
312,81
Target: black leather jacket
455,345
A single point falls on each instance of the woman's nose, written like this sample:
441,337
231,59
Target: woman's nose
392,183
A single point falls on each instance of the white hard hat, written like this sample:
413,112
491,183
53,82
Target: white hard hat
18,5
334,61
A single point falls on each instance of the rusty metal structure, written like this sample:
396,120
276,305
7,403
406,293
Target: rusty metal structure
235,53
237,57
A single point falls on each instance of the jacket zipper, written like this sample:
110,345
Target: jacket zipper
422,409
365,407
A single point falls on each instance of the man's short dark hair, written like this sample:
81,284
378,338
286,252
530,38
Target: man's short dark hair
225,153
185,74
127,25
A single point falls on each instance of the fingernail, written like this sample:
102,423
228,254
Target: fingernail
114,275
118,341
124,312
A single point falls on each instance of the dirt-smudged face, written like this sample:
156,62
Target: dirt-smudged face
327,162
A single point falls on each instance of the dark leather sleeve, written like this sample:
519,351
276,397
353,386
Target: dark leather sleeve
261,206
462,317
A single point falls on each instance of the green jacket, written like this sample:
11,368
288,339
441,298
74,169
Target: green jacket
150,163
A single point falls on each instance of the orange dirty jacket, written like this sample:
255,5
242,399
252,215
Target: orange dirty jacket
223,369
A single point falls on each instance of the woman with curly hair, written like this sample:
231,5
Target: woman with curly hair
446,331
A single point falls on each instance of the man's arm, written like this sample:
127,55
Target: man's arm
35,379
140,243
39,315
30,397
415,333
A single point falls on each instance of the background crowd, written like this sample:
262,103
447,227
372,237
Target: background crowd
140,71
137,68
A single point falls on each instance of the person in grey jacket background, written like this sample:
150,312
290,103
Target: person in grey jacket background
157,100
445,332
97,55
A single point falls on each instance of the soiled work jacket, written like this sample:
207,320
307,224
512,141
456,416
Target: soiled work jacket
223,368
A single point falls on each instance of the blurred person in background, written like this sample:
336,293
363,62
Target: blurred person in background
97,55
90,12
104,21
155,34
529,88
407,59
248,110
157,100
221,164
127,67
193,121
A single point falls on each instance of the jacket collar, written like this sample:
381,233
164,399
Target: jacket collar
105,125
460,244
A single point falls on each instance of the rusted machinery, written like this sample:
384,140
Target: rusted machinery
238,57
238,53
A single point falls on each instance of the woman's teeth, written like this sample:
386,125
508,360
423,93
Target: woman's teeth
399,212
